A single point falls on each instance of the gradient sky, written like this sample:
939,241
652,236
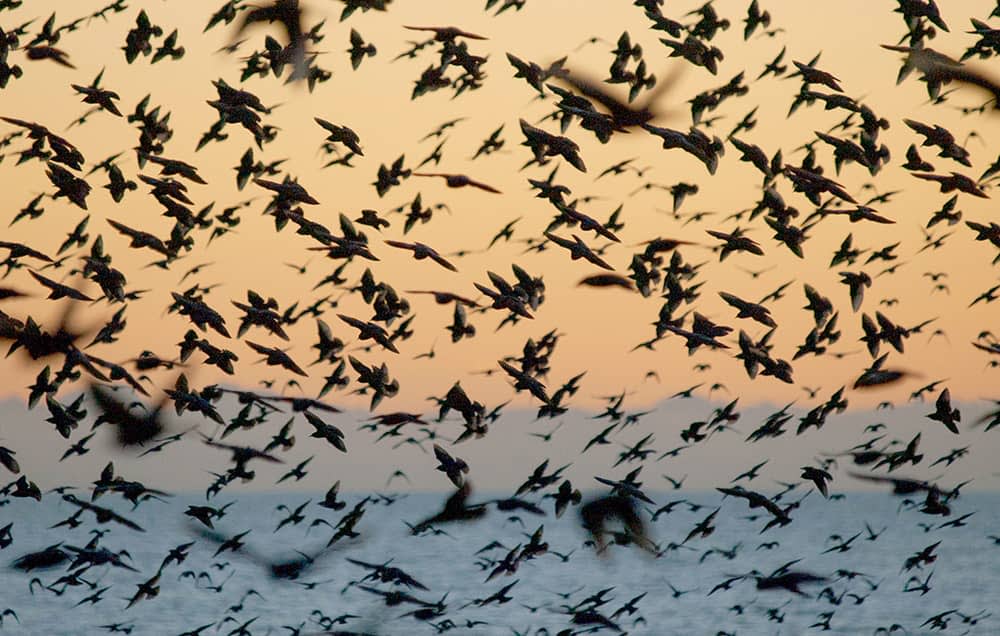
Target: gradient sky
598,327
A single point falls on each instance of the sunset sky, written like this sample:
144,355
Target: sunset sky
598,327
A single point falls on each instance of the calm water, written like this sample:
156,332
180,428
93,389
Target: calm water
965,576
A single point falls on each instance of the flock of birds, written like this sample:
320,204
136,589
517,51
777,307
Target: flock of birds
75,269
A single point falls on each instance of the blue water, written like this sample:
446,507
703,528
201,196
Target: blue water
965,575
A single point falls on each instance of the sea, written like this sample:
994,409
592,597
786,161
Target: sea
866,588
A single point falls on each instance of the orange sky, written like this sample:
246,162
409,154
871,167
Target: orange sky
600,326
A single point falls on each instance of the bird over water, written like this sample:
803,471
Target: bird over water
499,317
